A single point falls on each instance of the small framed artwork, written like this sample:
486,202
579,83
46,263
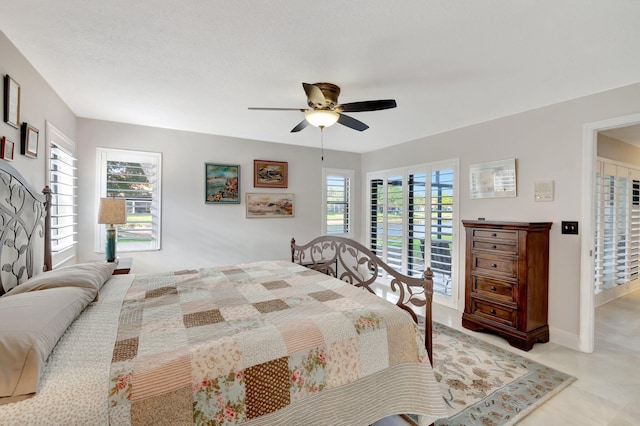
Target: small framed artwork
7,148
29,145
270,205
494,179
222,183
270,174
11,102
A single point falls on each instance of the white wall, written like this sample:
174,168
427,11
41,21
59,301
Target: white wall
38,104
195,234
547,144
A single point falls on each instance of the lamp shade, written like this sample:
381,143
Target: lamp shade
112,211
321,117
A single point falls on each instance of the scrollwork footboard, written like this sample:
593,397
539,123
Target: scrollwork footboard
352,262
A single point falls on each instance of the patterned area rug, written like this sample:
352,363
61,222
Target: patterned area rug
483,384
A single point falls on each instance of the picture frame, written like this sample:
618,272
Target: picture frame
7,149
222,183
11,102
270,174
270,205
496,179
29,136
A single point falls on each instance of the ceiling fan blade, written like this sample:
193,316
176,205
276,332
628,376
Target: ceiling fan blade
301,125
358,125
367,105
279,109
315,97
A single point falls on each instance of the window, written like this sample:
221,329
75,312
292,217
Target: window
61,179
134,176
411,218
337,202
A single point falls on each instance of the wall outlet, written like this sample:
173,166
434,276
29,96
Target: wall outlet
569,227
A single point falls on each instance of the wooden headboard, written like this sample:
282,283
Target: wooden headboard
25,231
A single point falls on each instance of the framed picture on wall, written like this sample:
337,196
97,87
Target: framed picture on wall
222,183
494,179
7,148
29,145
11,102
270,205
270,174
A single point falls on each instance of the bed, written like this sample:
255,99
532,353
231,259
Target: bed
260,343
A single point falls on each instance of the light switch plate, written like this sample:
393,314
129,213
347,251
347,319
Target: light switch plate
569,227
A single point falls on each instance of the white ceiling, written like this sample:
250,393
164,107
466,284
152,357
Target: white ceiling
197,65
629,134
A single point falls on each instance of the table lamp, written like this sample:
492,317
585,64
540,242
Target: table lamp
111,212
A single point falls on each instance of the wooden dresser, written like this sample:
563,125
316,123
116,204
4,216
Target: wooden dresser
506,280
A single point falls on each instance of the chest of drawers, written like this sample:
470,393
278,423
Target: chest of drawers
506,280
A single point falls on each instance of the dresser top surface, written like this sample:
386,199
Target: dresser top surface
506,225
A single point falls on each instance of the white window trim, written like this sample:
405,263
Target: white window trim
101,190
343,173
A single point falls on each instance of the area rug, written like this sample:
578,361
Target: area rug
483,384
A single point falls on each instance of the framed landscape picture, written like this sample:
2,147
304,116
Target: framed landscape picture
270,174
270,205
222,183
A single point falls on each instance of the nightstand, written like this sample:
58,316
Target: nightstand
124,266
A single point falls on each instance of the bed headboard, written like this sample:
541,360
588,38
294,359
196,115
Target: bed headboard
25,237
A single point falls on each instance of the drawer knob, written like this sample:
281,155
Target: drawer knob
493,312
493,288
493,265
494,246
494,235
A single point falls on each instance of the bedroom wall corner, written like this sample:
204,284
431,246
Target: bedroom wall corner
195,234
547,144
39,103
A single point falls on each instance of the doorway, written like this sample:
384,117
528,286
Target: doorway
587,299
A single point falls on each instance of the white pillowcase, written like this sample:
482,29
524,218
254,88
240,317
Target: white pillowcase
30,326
90,275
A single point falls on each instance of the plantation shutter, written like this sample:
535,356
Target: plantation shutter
617,230
62,181
337,202
411,220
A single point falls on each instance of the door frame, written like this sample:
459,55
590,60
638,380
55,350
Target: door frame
589,155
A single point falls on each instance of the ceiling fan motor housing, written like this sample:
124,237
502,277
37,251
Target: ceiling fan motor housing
330,92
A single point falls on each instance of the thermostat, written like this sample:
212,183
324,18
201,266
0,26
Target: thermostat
543,190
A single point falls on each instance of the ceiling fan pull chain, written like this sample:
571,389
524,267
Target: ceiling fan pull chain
322,142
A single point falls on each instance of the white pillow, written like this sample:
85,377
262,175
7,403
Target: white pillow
85,275
30,326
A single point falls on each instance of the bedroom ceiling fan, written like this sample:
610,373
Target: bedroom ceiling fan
324,109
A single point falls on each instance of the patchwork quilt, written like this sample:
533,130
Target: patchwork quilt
264,343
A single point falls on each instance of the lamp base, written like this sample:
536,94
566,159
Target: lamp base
110,244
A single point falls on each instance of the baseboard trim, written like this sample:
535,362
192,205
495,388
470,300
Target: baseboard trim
564,338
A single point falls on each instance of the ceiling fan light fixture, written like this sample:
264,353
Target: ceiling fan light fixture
321,117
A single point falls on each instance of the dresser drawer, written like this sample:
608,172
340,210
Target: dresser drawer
494,289
496,234
494,265
498,246
496,313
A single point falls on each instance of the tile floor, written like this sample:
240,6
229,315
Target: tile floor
607,392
